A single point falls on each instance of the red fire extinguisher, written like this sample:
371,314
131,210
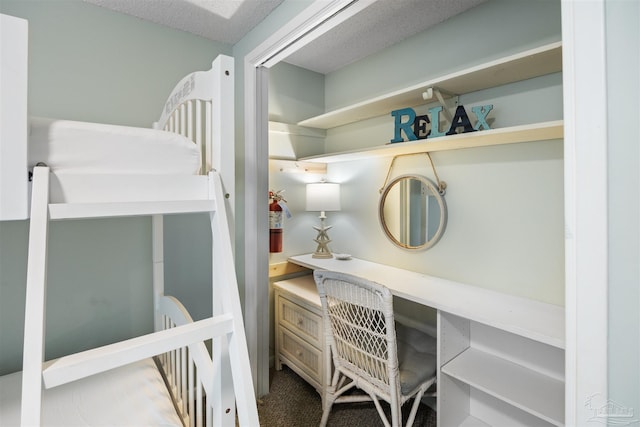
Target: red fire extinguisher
276,209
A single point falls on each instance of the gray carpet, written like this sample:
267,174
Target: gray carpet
292,402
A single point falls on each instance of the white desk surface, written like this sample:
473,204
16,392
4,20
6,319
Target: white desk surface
525,317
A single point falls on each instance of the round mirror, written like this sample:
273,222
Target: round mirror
412,212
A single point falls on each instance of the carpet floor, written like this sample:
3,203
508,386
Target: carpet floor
292,402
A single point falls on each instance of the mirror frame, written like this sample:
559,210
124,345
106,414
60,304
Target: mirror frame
441,203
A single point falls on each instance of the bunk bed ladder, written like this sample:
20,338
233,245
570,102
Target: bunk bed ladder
226,325
34,318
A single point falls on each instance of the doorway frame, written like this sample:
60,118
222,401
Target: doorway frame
321,16
584,163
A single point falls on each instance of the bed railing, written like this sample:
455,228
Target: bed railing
193,120
187,370
193,111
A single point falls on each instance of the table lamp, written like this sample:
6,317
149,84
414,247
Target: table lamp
322,197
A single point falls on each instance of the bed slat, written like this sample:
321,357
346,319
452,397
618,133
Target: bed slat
191,388
198,414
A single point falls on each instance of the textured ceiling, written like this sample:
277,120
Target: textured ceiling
378,26
225,21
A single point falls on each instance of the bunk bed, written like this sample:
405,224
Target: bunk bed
80,170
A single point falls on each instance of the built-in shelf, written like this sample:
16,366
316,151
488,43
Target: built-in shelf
296,166
531,63
524,65
524,388
531,319
471,421
284,141
510,135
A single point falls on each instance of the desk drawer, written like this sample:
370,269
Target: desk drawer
300,353
301,321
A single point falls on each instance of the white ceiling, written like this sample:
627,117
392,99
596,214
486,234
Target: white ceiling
380,25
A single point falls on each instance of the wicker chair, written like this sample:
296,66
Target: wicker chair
370,351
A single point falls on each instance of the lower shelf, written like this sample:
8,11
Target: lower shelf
523,388
510,135
473,422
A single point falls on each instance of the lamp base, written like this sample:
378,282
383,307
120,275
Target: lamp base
322,251
322,255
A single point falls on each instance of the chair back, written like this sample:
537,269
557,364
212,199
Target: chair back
359,327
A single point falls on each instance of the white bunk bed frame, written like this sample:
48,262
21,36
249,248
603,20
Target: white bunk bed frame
201,108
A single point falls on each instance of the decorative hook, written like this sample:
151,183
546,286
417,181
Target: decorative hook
442,186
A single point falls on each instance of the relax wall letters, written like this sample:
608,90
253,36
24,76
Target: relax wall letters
416,127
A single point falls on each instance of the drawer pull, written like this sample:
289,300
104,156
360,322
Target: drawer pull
298,353
300,321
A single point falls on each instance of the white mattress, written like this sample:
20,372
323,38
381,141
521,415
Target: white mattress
133,395
79,147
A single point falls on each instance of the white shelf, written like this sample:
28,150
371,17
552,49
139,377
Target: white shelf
521,66
524,388
511,135
471,421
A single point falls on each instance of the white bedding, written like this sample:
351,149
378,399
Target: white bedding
80,147
133,395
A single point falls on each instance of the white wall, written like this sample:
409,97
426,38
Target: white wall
91,64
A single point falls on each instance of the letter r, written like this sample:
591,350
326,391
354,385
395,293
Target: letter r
403,126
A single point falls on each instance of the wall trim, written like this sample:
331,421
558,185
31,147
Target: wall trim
586,201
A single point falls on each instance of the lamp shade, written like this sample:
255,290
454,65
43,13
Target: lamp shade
323,196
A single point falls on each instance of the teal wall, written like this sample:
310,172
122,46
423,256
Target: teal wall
91,64
623,92
295,93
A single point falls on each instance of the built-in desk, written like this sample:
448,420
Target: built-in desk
500,357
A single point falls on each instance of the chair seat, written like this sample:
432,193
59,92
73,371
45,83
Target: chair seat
416,357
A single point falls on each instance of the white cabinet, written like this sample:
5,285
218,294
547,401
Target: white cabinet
299,337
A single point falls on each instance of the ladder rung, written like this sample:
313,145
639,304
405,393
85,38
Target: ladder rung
115,209
94,361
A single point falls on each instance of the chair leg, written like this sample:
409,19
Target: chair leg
325,414
414,407
329,395
383,416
